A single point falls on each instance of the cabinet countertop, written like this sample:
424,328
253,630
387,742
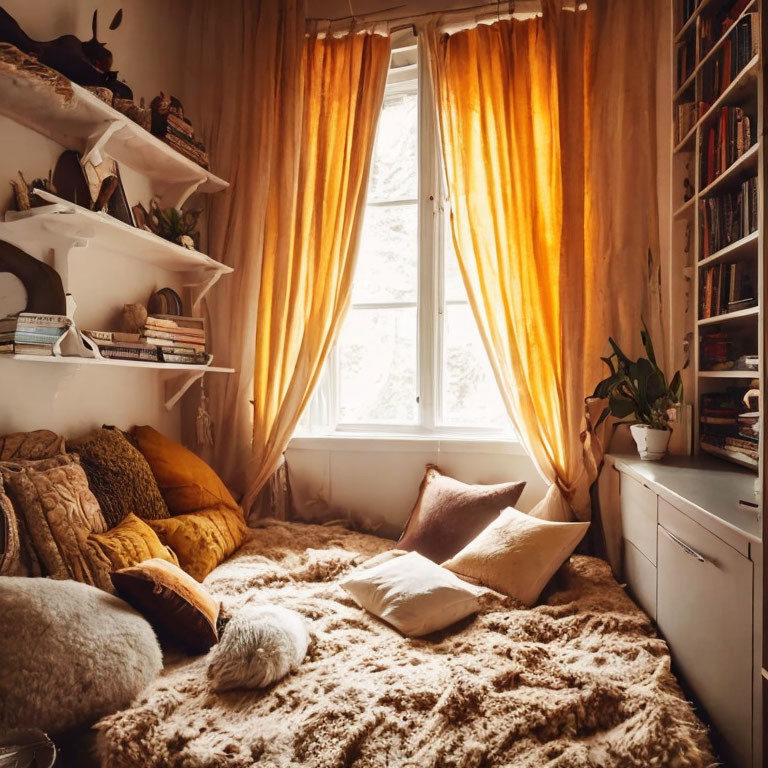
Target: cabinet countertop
701,485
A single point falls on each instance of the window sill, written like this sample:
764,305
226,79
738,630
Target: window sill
407,443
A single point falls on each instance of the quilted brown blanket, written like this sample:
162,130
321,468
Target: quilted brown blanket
581,680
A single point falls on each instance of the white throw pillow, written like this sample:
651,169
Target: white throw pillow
517,554
413,594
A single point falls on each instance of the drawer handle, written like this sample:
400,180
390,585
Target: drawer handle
685,547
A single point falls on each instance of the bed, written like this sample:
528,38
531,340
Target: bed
580,680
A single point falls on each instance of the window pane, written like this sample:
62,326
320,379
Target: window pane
377,367
386,266
394,173
470,395
454,283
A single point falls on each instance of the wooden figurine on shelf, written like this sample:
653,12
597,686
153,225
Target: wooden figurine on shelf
86,63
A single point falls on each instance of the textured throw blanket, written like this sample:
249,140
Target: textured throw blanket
581,680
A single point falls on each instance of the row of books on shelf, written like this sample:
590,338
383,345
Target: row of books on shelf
687,7
740,47
718,352
29,333
726,287
727,218
727,426
727,139
163,339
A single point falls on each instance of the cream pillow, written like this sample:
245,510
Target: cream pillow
413,594
517,554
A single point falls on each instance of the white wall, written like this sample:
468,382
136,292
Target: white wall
375,481
148,49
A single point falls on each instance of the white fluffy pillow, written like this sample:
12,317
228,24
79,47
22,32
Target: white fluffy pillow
69,654
413,594
258,647
517,554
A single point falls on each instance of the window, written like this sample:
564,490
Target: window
409,357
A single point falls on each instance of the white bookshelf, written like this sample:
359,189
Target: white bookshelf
744,90
87,125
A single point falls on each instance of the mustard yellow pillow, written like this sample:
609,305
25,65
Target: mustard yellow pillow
201,540
187,483
130,542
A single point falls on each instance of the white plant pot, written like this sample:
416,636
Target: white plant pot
651,443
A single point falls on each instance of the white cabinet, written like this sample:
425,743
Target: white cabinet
704,611
691,562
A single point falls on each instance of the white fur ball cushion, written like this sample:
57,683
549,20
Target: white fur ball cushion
259,646
69,654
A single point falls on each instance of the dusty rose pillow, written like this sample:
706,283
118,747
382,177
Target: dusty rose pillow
449,514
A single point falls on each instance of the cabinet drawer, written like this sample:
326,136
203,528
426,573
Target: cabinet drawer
638,516
704,610
640,574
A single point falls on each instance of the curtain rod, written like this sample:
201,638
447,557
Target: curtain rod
505,8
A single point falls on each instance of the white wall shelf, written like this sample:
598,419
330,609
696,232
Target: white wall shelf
731,316
186,375
63,218
89,126
743,247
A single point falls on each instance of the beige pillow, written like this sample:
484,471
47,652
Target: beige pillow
448,513
413,594
517,554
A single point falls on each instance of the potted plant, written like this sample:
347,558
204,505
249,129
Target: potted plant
639,395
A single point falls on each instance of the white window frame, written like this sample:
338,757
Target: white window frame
433,209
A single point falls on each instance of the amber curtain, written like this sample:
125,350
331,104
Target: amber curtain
245,59
307,268
534,169
290,119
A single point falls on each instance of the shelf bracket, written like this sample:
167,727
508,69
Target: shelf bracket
178,386
177,194
94,145
198,291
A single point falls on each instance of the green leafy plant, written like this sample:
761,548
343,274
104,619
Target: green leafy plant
639,389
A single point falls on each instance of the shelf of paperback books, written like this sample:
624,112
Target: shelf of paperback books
744,247
87,125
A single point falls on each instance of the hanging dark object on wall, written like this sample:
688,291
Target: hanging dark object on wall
45,292
86,63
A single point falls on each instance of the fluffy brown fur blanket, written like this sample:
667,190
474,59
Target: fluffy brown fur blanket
581,680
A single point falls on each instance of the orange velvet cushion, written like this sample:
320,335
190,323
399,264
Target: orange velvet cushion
130,542
187,483
201,540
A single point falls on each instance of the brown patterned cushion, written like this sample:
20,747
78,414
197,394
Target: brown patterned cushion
119,476
11,561
449,514
59,511
179,608
40,444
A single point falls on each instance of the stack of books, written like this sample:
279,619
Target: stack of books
728,218
28,333
727,139
727,429
726,287
736,52
178,339
123,346
179,134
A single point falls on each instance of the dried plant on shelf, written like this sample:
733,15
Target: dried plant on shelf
170,223
23,191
